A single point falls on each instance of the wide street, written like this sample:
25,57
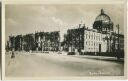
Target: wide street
56,65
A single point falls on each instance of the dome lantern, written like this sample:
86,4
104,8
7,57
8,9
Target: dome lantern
102,11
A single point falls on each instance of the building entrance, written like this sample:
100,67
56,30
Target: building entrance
99,47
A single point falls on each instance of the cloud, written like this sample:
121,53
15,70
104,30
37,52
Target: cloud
12,21
58,21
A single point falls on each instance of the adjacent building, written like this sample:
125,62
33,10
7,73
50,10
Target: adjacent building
40,41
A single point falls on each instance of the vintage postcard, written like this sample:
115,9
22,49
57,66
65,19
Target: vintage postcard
65,41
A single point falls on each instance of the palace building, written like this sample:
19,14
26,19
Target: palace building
102,38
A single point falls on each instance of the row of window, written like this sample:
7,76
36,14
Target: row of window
93,37
91,43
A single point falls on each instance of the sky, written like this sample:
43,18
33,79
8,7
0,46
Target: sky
24,19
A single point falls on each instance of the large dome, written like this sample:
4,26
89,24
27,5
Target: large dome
103,22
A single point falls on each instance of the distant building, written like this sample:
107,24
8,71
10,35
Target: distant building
47,41
40,41
28,42
11,43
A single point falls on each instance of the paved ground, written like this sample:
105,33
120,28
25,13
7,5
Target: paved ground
54,65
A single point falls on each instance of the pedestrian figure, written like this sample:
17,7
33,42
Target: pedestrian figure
13,55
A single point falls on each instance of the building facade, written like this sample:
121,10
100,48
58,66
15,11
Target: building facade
40,41
100,39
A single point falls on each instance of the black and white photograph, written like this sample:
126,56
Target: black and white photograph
64,40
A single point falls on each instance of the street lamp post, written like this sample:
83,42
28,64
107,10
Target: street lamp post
79,38
118,48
